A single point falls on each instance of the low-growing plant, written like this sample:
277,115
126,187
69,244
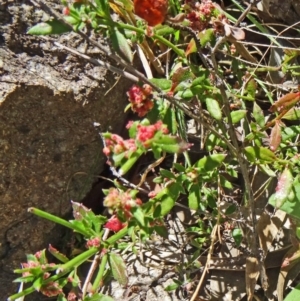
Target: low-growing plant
204,77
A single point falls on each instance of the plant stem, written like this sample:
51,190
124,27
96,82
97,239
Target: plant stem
23,293
100,273
57,220
78,260
178,51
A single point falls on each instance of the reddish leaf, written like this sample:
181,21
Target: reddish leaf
286,102
284,187
181,74
275,137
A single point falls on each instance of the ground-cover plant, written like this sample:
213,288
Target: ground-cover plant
208,88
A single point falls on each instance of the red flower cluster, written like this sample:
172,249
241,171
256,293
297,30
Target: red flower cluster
93,242
153,11
147,132
200,14
117,145
114,224
140,99
39,260
120,200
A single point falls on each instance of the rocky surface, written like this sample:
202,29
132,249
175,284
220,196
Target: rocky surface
50,151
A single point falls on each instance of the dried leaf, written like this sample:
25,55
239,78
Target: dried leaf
291,258
252,273
237,33
268,228
180,75
275,137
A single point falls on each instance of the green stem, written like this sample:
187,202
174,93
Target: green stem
178,51
25,292
57,220
78,260
257,24
100,273
116,236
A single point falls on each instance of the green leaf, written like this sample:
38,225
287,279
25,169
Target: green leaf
298,232
170,144
61,257
130,162
236,116
167,174
102,7
251,87
194,197
213,108
162,83
292,114
179,167
294,295
166,198
230,210
267,170
121,45
205,36
162,30
211,162
139,215
237,235
118,268
225,183
37,284
212,141
172,287
162,231
71,20
254,154
49,27
98,297
185,94
258,115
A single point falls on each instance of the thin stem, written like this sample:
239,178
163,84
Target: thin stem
25,292
77,261
57,220
100,273
242,162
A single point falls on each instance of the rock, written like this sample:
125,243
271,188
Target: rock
50,153
287,11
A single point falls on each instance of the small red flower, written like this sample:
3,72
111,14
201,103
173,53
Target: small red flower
66,11
94,242
114,224
51,289
140,99
153,11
